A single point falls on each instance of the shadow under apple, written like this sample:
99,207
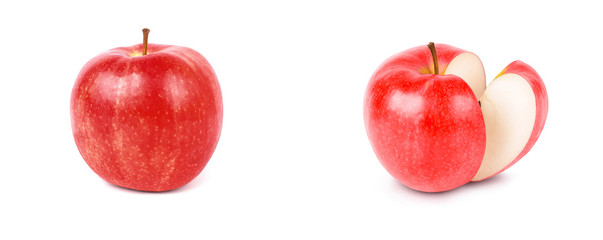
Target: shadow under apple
493,182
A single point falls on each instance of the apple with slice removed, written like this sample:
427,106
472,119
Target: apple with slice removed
427,127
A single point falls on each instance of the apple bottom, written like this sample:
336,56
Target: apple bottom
419,165
146,154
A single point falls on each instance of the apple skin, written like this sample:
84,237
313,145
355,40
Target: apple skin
427,130
542,105
149,123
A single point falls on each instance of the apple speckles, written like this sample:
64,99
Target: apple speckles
168,173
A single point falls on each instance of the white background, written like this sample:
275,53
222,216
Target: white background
293,161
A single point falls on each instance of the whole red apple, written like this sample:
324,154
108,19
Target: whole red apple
436,130
147,117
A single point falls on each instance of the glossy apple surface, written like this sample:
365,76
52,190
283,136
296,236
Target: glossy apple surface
151,122
427,130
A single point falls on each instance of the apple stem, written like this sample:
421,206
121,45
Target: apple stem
432,48
145,40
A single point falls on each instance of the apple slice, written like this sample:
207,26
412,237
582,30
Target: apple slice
514,106
469,68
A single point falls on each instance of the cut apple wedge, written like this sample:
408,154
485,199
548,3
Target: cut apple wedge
514,107
469,67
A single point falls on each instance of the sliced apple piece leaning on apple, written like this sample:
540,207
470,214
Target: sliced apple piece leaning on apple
514,105
407,92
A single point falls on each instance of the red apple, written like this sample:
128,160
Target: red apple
429,130
147,117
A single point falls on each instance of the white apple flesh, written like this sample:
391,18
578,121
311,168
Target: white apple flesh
509,112
469,68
